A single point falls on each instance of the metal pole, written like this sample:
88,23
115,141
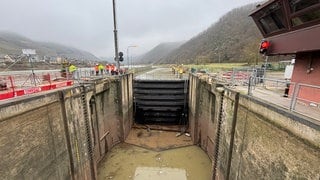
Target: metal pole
294,96
115,35
249,86
265,70
33,76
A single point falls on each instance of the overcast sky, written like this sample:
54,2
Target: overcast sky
88,24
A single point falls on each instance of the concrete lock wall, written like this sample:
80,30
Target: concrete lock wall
32,141
250,139
65,133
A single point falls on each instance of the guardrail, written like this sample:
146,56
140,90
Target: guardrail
14,85
296,97
19,83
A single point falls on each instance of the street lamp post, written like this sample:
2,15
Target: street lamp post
128,53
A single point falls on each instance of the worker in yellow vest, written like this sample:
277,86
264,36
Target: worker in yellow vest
180,71
72,69
101,68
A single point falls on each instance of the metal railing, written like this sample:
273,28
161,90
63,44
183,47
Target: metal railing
18,83
287,94
296,95
282,92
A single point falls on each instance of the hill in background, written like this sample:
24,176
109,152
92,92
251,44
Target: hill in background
159,52
234,38
12,44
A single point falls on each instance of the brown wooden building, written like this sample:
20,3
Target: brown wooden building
292,27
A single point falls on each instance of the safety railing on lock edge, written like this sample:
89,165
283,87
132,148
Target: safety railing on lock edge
18,83
298,97
296,100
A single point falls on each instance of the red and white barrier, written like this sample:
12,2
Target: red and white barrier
31,90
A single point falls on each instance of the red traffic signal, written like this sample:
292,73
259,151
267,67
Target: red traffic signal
264,46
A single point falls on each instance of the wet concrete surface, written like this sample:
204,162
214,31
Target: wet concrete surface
158,140
126,161
155,154
159,173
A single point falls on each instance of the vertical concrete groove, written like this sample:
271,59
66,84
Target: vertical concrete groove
67,133
128,107
87,124
216,155
233,128
196,113
96,120
184,115
120,115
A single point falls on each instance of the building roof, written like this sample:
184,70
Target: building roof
290,26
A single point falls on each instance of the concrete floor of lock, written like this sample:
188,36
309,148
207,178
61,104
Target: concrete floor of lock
156,154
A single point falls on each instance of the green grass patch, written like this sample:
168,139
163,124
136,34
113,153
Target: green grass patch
216,67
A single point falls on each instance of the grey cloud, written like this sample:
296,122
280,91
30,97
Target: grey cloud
88,24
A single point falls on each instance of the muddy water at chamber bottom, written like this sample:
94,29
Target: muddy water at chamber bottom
122,161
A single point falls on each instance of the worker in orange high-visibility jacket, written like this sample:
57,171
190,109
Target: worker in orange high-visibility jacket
96,69
107,68
113,69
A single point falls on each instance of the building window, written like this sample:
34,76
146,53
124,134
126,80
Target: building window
304,11
297,5
271,19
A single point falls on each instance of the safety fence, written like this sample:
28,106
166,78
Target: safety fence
305,94
19,83
297,97
15,84
239,77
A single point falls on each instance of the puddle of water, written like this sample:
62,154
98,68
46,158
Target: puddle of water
123,160
160,173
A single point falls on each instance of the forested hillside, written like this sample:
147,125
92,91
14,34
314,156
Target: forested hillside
234,38
12,44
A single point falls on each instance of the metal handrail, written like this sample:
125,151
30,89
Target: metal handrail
294,95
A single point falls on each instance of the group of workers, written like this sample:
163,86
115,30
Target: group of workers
69,69
178,70
109,69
